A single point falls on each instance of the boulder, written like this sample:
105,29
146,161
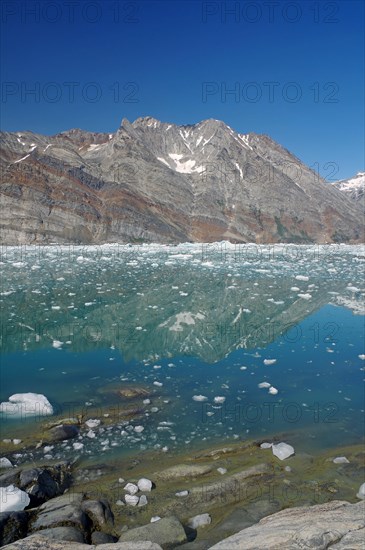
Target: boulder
62,432
13,526
99,513
69,534
321,526
199,521
61,511
38,542
41,483
97,537
167,532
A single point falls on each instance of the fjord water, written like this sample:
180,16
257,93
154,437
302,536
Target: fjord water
200,328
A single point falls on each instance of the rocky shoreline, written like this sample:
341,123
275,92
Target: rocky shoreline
242,496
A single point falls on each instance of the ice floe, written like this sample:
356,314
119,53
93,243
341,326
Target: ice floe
26,404
13,499
282,450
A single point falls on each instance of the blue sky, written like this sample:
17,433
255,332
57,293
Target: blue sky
295,69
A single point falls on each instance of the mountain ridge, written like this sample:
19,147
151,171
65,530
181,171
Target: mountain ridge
156,181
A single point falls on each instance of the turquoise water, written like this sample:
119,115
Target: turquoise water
199,328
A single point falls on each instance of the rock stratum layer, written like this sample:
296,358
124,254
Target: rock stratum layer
157,182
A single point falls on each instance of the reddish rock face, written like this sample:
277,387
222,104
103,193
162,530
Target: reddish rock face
159,182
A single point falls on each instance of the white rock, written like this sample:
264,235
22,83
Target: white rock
287,469
17,441
132,500
121,480
182,493
142,500
13,499
120,503
199,398
361,493
199,521
282,450
266,445
5,463
131,488
222,470
341,460
273,391
145,485
92,423
26,404
154,519
269,361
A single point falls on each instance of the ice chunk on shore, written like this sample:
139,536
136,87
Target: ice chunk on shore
92,423
154,519
199,521
131,488
282,450
13,499
144,485
26,404
132,500
361,492
265,445
182,493
341,460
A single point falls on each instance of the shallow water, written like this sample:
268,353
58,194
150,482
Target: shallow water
192,320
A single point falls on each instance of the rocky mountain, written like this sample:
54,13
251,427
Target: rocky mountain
353,187
152,181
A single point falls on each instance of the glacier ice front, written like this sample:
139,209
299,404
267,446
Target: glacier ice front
26,404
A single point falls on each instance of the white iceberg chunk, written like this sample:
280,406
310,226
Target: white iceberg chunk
219,399
265,445
362,356
199,398
199,521
361,492
222,470
182,493
154,519
142,500
26,404
13,499
264,385
92,423
341,460
282,450
132,500
269,361
144,485
273,391
131,488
